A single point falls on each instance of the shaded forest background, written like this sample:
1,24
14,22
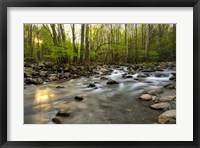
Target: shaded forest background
86,44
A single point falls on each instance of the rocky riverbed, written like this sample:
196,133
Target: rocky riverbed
106,94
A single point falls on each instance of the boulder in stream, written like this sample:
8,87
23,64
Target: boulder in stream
63,113
161,105
173,78
141,75
110,82
167,117
60,86
155,91
146,97
78,98
166,98
91,85
57,120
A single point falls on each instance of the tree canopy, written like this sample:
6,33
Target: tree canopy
87,44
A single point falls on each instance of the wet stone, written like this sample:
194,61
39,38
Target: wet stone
110,82
78,98
146,97
91,85
60,86
57,120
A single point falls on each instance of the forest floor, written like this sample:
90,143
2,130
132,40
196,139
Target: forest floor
128,93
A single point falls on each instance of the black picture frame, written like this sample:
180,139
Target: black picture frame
4,4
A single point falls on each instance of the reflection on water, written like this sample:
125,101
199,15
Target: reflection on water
43,95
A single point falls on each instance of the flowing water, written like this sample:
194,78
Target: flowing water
106,104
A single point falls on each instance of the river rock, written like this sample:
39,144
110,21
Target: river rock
131,71
63,113
66,75
160,74
167,117
39,80
104,78
173,73
104,71
155,91
48,64
30,81
78,98
41,65
60,86
43,73
172,78
128,76
66,69
146,97
166,98
57,120
110,82
141,76
91,85
28,72
161,105
53,77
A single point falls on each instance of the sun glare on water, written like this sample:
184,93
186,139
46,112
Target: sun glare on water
43,95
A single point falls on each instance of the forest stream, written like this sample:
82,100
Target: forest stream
101,104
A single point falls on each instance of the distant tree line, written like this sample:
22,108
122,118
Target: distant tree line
87,44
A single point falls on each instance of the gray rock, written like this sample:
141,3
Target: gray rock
161,105
39,80
66,75
110,82
30,81
172,78
48,64
167,117
63,113
57,120
41,65
146,97
53,77
43,73
104,78
155,91
28,72
166,98
141,76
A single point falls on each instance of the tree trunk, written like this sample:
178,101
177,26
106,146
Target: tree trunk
82,43
174,43
147,42
126,40
87,50
160,36
131,48
30,39
136,46
59,34
74,44
62,33
55,40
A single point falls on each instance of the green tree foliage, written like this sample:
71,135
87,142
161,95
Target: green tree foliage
105,43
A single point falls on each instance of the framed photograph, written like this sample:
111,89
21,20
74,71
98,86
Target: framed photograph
99,73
